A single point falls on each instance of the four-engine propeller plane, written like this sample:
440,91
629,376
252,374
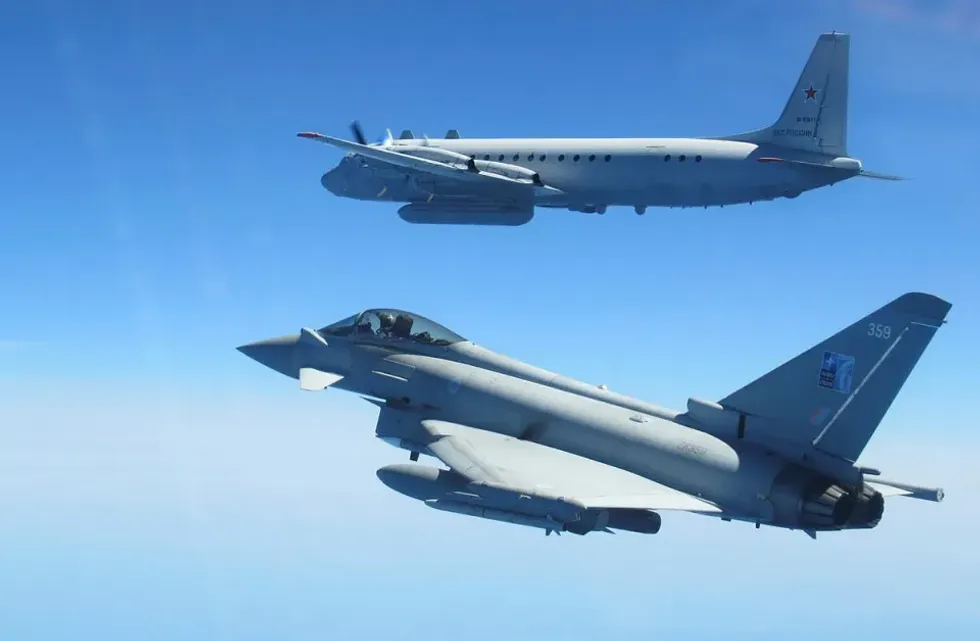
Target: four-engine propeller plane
457,180
527,446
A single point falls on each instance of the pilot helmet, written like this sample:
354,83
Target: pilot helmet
386,320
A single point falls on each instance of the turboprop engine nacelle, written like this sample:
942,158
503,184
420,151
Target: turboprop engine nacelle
515,172
510,171
434,153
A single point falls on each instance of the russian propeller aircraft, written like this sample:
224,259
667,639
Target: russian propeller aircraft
500,181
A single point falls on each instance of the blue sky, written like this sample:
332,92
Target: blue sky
157,211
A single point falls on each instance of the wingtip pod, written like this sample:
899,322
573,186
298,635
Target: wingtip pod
923,305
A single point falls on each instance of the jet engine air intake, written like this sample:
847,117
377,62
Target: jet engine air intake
510,171
436,154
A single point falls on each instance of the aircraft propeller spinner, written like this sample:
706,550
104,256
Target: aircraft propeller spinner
358,132
355,128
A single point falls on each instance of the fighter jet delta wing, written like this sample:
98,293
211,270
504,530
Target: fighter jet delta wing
529,480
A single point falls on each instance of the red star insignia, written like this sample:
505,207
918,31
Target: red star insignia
810,92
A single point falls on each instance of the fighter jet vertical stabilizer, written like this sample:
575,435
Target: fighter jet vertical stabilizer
833,396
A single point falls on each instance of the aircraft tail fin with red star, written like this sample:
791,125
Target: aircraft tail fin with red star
815,116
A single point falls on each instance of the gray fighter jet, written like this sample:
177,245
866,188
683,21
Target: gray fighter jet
527,446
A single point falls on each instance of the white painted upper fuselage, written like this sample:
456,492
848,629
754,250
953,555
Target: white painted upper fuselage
599,172
805,148
679,172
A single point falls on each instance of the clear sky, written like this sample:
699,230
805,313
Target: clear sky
156,210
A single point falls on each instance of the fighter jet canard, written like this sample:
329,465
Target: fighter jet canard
462,181
527,446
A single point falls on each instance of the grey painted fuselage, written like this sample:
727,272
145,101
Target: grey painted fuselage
647,443
758,464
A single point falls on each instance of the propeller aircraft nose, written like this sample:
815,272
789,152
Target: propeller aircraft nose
334,181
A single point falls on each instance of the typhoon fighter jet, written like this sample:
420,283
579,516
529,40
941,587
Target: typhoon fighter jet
527,446
500,181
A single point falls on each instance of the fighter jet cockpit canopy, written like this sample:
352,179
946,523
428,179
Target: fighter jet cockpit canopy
392,325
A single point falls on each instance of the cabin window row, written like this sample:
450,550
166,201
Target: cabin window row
575,158
543,157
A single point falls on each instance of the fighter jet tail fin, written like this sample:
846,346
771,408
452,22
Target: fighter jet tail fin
833,396
815,116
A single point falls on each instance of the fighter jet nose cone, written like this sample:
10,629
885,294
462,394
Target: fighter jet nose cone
275,353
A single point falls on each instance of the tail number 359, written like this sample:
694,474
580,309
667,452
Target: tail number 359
879,331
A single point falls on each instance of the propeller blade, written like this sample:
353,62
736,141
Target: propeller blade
355,128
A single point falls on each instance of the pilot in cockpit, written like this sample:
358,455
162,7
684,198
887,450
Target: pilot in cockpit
386,321
364,326
403,326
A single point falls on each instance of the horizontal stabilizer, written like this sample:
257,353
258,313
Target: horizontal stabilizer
851,167
842,165
314,380
873,174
